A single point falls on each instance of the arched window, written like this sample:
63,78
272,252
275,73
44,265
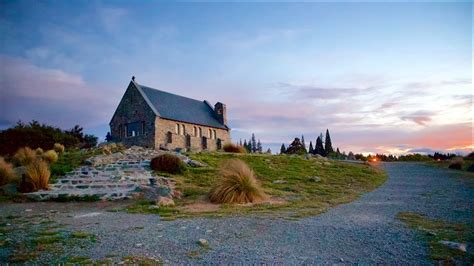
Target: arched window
215,134
183,130
200,132
210,133
177,129
195,131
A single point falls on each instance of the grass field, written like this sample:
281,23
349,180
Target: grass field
296,195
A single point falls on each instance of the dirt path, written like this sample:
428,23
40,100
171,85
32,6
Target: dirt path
364,231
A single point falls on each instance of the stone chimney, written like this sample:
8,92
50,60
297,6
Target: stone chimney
221,113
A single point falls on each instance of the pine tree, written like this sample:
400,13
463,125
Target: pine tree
259,147
319,147
302,141
337,151
269,151
240,142
249,146
328,145
108,137
246,145
254,144
282,149
311,150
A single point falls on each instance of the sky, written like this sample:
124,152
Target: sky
382,77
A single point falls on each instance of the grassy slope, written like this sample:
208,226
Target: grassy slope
340,182
433,231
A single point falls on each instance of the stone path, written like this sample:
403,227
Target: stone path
109,177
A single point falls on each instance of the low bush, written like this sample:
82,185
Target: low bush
168,163
36,176
7,174
50,156
24,156
230,147
58,147
456,163
236,184
471,168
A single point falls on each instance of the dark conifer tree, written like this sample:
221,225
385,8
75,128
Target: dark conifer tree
328,145
319,149
302,141
311,150
108,137
282,149
253,143
259,147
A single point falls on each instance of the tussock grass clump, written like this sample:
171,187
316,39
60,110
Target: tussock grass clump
230,147
168,163
50,156
24,156
39,151
6,172
37,175
237,184
106,149
58,147
456,163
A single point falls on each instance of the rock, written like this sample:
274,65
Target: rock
454,245
20,170
165,202
194,163
203,242
28,210
341,259
314,179
279,182
209,231
9,189
139,245
153,207
307,156
154,193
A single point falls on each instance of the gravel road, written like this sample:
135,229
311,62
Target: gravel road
364,231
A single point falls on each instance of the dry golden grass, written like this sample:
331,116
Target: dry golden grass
24,156
237,184
58,147
456,163
106,149
7,174
37,174
50,156
168,163
39,151
230,147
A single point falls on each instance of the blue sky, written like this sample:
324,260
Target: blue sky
383,77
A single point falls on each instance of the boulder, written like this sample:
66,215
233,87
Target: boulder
314,179
203,242
154,193
279,182
454,245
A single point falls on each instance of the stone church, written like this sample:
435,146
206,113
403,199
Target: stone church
157,119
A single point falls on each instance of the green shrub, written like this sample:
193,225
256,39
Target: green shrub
230,147
58,147
24,156
7,174
456,163
168,163
50,156
236,184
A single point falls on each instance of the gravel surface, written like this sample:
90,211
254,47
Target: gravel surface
364,231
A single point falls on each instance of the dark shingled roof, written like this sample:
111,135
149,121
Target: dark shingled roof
179,108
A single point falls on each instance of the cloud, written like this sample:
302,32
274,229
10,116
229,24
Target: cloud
52,96
420,117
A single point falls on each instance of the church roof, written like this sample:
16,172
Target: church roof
179,108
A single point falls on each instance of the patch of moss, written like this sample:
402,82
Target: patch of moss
432,231
149,207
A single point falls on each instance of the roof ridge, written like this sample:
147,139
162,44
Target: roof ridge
172,93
